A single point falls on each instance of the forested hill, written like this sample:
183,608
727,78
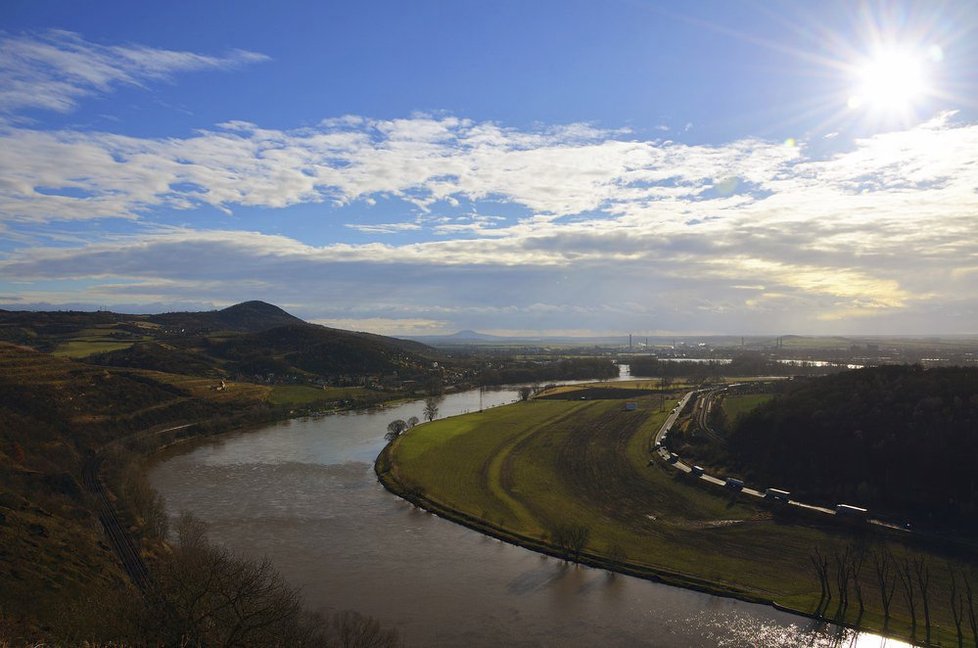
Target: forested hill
896,439
246,317
250,341
322,351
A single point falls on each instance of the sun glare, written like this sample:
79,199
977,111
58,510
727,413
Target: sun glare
891,82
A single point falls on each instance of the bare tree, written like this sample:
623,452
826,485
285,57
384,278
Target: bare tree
820,564
972,619
571,538
525,393
856,569
921,571
395,429
956,601
884,568
430,408
905,573
145,503
616,553
411,422
842,575
215,598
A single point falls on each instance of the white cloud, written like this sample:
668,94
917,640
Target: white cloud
384,228
680,232
55,69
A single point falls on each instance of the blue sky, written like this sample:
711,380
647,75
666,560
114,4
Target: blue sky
511,167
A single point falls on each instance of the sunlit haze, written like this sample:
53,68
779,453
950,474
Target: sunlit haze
511,168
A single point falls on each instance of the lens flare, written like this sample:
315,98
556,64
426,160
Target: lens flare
891,81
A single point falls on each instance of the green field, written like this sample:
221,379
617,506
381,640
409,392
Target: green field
734,406
305,395
521,471
83,347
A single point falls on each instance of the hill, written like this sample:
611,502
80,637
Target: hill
81,382
246,317
898,439
83,333
54,413
252,341
322,352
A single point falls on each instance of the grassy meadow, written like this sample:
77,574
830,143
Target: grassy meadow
523,470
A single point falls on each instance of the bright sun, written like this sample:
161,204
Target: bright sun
890,82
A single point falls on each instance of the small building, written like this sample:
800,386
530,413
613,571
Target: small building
734,484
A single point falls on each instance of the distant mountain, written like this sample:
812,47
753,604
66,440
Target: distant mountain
462,338
246,317
472,335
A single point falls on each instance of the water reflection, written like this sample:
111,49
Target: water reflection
304,494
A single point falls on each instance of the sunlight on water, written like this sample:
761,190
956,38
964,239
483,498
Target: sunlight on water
735,631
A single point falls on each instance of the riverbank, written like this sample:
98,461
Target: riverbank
539,545
516,475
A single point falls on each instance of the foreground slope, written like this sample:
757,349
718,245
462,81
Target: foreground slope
54,414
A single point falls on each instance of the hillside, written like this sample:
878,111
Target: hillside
249,341
246,317
898,439
53,414
82,333
159,356
320,353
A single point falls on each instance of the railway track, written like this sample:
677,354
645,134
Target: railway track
123,544
120,540
702,410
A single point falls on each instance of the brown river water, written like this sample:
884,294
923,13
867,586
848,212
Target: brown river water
303,493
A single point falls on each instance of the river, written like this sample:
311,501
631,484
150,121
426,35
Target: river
303,493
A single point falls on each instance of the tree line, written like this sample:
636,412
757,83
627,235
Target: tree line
900,440
742,364
877,578
397,427
540,371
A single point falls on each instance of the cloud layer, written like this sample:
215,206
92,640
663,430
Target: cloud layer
54,70
470,224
